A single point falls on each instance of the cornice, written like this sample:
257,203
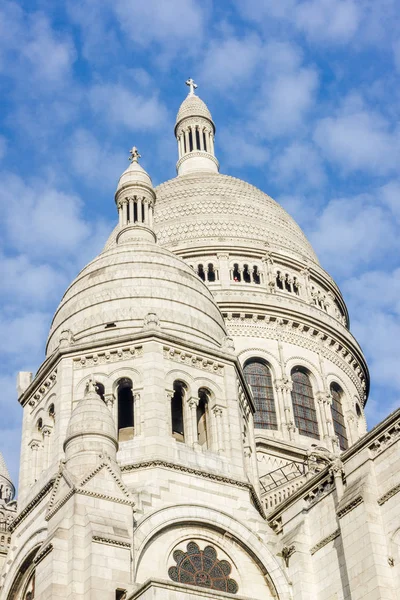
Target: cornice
389,494
206,475
32,504
325,541
350,506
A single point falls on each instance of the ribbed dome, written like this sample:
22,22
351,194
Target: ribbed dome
193,106
116,291
201,207
134,174
91,417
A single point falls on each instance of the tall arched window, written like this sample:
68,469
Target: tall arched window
258,376
178,431
305,415
202,418
125,410
337,416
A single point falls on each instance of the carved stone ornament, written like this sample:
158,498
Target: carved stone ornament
286,553
151,321
202,568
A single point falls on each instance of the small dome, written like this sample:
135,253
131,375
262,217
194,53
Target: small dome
193,106
114,294
5,481
134,174
91,417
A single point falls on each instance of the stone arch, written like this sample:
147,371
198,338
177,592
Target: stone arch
129,372
204,382
256,353
18,573
313,371
150,527
80,387
178,374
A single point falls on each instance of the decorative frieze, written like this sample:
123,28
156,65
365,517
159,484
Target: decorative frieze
110,542
43,389
389,494
385,440
107,356
320,491
325,541
350,506
187,358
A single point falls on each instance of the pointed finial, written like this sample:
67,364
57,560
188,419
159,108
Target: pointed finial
134,155
192,86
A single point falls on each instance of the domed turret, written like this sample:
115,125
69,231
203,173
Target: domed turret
194,131
7,490
135,200
90,433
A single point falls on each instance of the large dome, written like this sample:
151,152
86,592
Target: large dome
202,207
114,294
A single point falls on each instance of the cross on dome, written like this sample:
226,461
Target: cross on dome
192,85
134,154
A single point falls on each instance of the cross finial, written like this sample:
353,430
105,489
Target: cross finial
134,154
192,86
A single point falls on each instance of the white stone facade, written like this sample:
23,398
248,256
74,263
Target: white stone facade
149,466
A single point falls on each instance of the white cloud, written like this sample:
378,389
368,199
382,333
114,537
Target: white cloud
230,61
300,164
352,233
30,49
240,153
359,139
327,20
173,24
124,107
88,157
24,335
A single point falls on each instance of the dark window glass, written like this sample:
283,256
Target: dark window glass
279,282
236,273
125,410
305,415
246,274
337,416
258,376
177,412
256,274
200,272
211,272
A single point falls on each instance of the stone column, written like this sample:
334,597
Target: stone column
192,405
186,133
131,210
120,215
137,412
217,411
140,210
146,211
124,211
151,215
34,460
46,432
201,136
211,143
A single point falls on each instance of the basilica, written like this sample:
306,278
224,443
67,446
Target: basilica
197,429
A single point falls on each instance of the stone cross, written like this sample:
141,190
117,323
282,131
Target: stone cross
192,86
134,155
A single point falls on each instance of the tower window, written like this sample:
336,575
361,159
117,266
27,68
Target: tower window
202,418
337,416
288,287
178,431
205,141
200,272
258,376
52,412
295,286
190,140
305,415
211,272
39,424
197,139
125,411
99,389
246,274
279,283
256,275
236,273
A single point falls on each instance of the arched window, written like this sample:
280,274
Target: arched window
39,424
211,272
337,416
125,410
246,274
358,411
200,272
305,415
295,286
236,273
178,431
52,412
256,274
288,287
258,376
197,139
190,140
202,418
279,283
99,389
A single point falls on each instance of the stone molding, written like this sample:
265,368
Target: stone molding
325,541
304,336
198,472
107,356
197,153
385,440
319,492
187,358
110,542
43,389
43,553
350,506
32,504
389,494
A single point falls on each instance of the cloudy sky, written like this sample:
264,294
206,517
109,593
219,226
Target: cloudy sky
306,98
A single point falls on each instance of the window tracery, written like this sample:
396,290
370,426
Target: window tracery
337,416
305,415
246,273
258,376
202,568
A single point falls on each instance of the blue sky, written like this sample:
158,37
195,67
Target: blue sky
306,98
